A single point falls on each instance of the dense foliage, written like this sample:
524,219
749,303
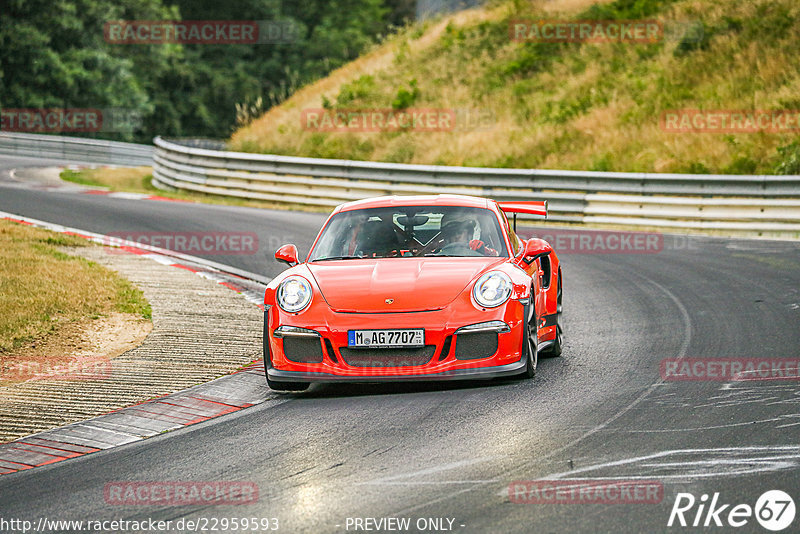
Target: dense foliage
53,54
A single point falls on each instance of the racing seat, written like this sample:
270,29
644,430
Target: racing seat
377,239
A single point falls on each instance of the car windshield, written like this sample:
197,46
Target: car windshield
410,231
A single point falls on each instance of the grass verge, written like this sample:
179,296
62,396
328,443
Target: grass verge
578,106
45,289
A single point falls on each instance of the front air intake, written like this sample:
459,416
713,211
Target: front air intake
476,346
403,357
303,349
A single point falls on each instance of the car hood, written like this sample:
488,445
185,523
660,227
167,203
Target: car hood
412,284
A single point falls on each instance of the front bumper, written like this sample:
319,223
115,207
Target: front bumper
447,362
475,373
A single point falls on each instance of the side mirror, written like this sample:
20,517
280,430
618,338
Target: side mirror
287,254
534,249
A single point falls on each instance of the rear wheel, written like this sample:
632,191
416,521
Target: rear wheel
554,350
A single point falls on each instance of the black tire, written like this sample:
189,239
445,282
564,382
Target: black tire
279,386
530,349
286,386
554,350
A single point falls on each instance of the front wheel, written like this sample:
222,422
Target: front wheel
280,386
529,347
554,350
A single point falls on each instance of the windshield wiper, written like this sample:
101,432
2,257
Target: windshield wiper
338,258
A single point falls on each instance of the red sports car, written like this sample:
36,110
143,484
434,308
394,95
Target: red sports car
414,288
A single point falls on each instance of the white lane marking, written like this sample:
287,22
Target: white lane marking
128,196
428,471
742,376
699,428
687,336
698,464
751,463
164,260
409,510
431,483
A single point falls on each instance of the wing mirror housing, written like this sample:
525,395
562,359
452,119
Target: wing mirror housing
534,249
287,254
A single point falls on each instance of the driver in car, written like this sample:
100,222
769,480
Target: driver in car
458,230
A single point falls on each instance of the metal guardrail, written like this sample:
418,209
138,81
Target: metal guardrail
77,149
768,205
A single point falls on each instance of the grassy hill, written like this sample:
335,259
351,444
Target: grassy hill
565,105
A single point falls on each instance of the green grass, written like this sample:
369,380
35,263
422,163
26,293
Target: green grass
572,105
44,287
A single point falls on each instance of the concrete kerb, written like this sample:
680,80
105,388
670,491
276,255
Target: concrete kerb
145,367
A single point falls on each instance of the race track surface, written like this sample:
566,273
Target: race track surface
451,450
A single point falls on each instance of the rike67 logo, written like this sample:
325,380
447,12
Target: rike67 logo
774,510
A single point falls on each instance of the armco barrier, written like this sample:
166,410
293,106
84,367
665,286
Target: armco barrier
76,149
761,205
767,205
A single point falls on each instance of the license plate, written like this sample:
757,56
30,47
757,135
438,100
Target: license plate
408,337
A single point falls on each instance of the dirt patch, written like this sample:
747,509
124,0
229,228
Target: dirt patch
76,350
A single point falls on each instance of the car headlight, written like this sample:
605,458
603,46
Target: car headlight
492,289
294,294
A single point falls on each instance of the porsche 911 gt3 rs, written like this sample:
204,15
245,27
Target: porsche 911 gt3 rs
414,288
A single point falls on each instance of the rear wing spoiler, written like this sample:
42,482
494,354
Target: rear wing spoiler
531,207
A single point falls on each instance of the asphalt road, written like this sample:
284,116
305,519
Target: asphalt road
338,453
120,217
